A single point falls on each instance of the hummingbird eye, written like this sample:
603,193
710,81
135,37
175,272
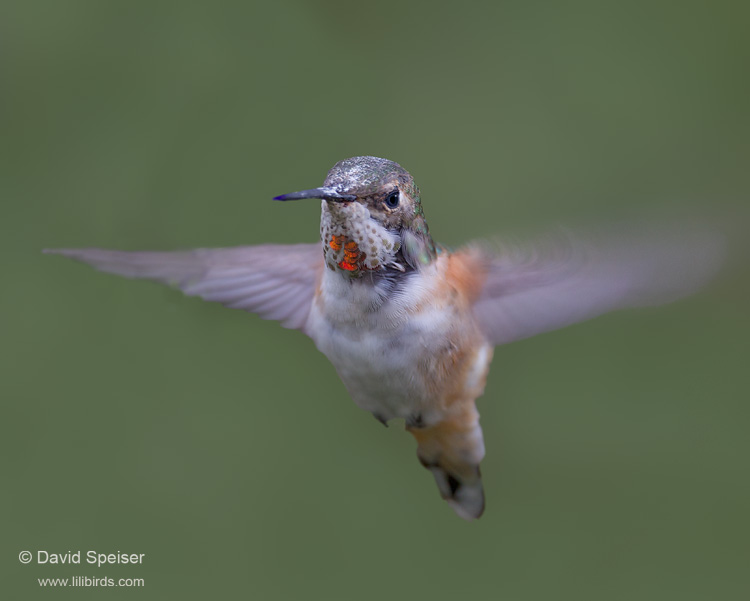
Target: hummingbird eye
392,200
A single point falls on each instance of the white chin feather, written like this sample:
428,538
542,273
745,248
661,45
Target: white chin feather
353,221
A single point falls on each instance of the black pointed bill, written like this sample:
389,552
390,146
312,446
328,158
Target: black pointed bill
326,193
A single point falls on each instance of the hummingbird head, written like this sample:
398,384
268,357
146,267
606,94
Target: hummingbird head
372,218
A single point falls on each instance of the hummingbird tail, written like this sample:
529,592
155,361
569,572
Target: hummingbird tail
452,450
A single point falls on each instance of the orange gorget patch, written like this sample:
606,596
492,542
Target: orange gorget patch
353,257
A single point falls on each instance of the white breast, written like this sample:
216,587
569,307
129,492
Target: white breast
377,342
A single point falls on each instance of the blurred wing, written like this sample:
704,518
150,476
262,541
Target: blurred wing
567,278
273,280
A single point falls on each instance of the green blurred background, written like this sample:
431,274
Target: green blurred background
224,447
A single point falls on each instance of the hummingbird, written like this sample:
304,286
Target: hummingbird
409,325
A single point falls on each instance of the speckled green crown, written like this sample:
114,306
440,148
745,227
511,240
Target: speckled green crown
360,175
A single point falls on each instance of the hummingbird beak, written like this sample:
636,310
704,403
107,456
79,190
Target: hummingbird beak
325,193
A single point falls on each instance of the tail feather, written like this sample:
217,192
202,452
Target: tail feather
452,450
